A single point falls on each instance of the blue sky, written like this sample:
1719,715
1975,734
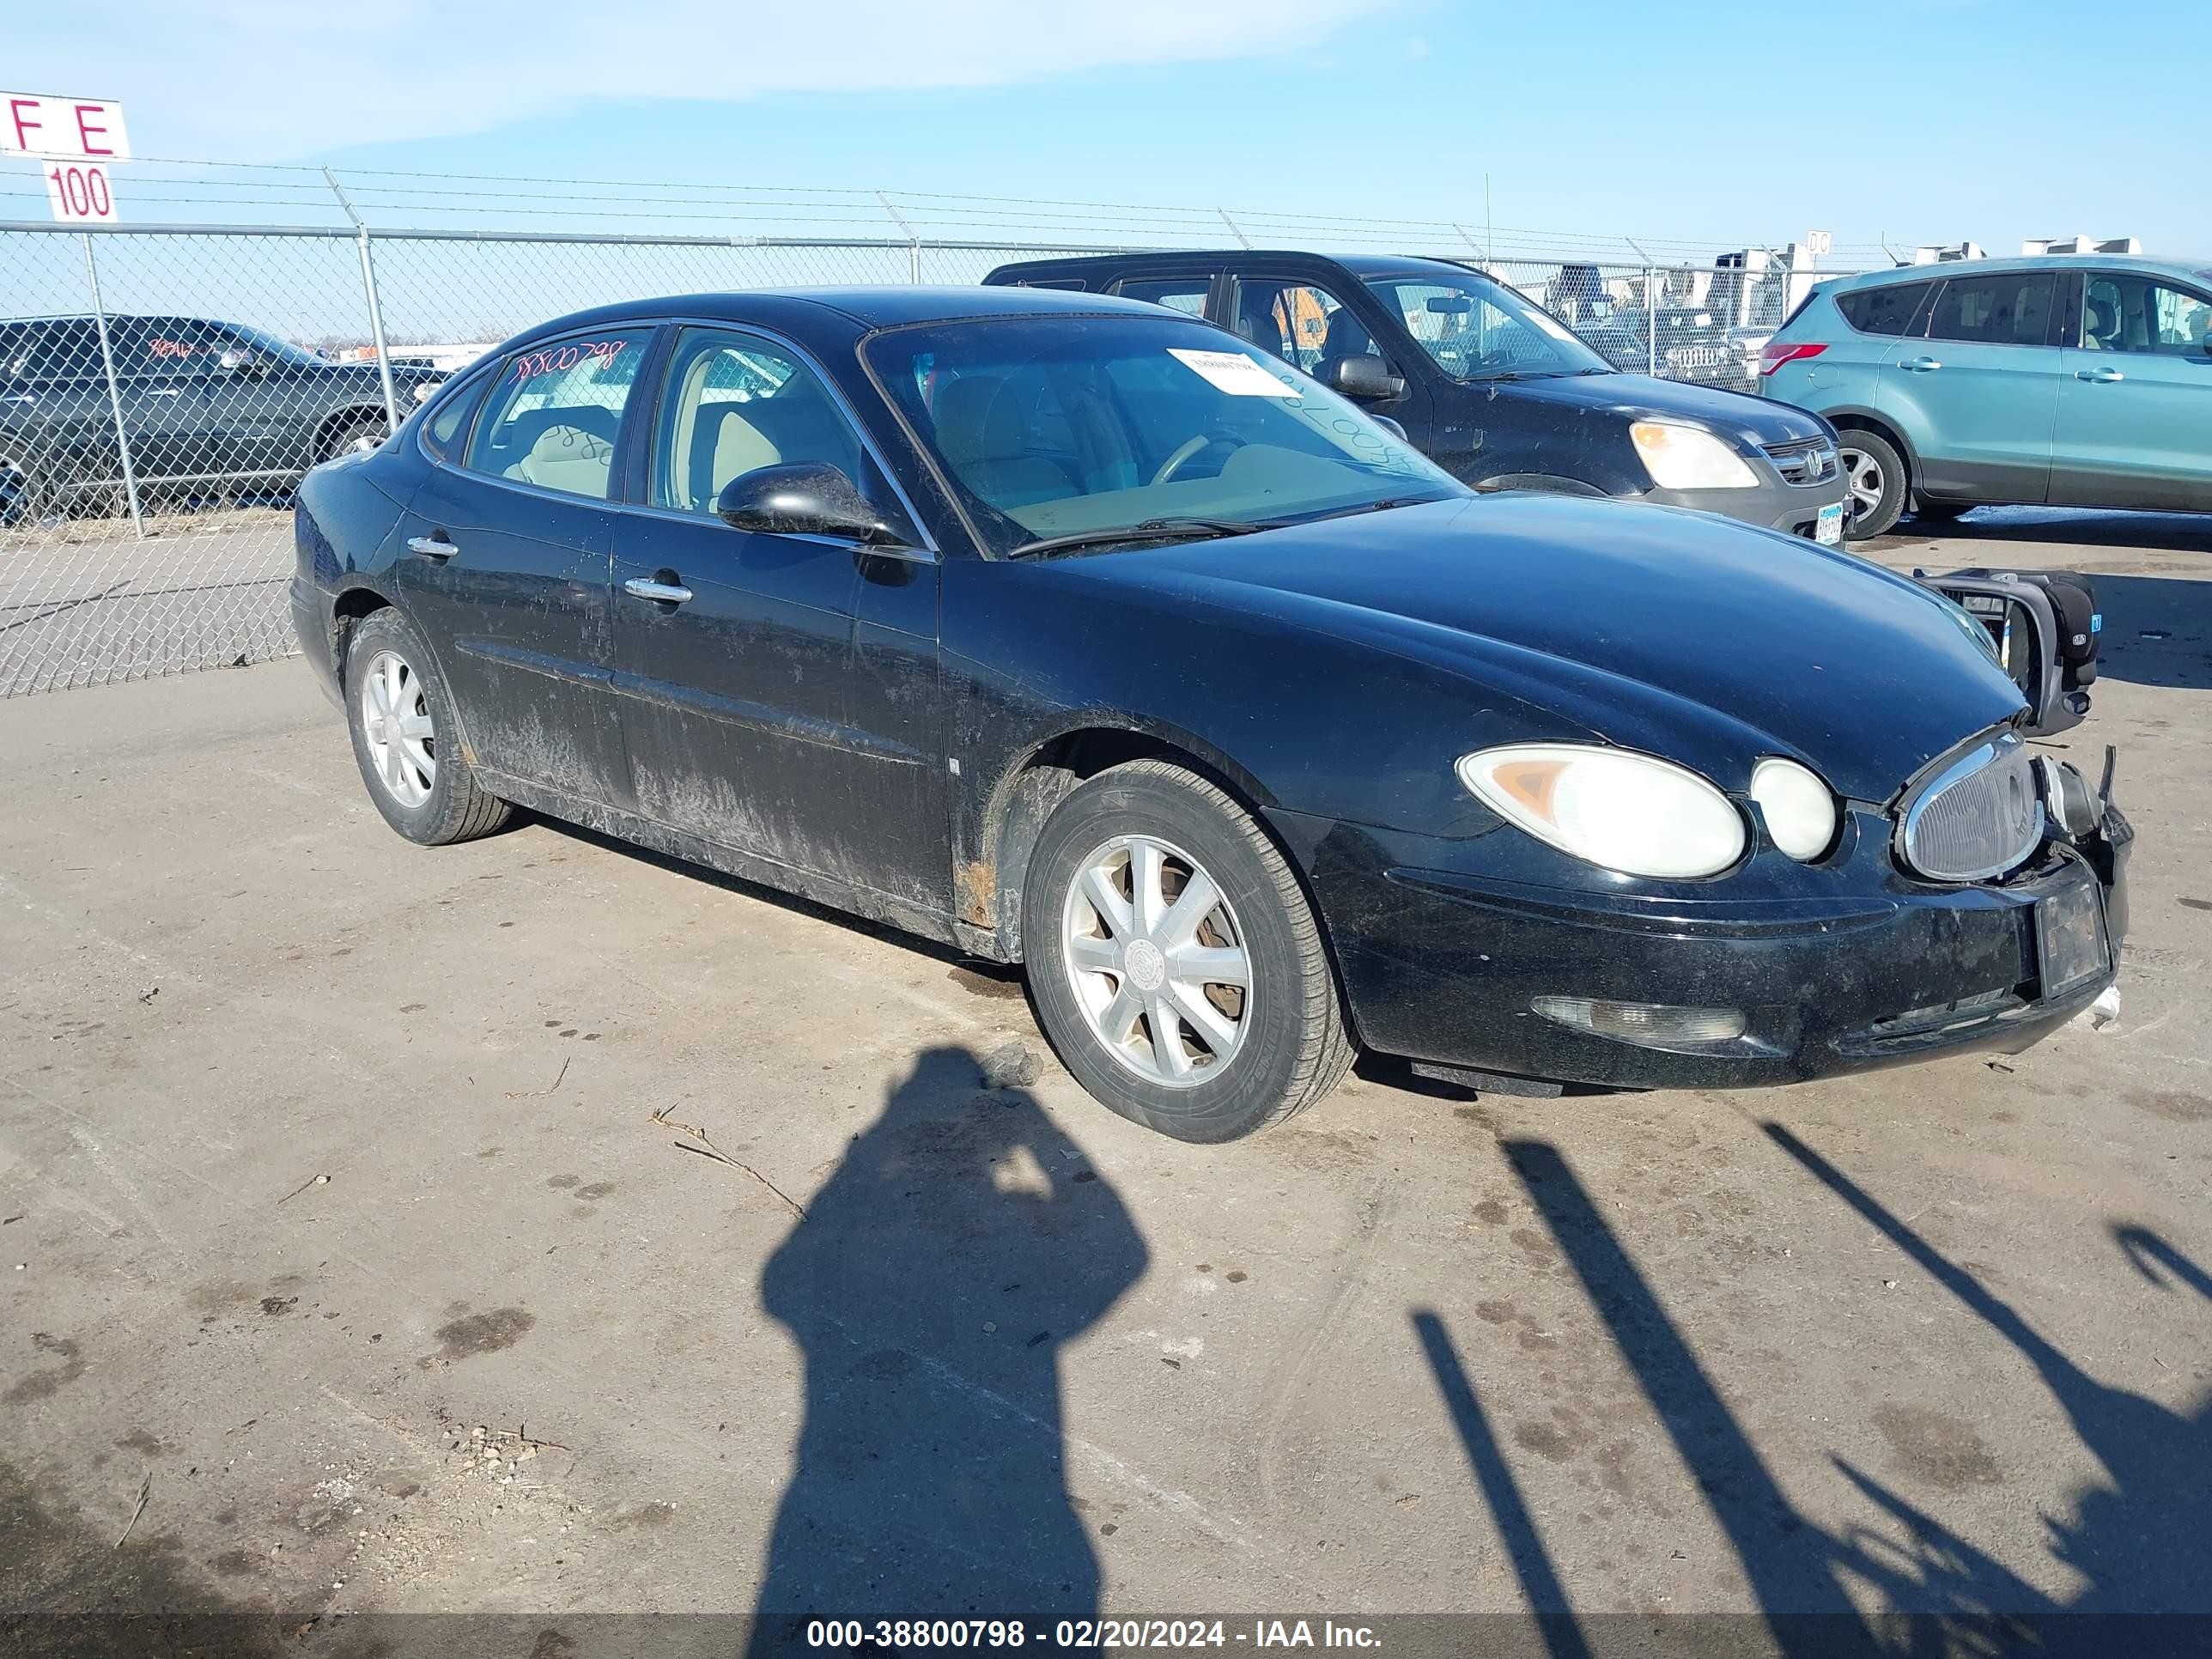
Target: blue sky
1906,120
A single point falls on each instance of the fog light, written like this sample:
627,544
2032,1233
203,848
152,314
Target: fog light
1648,1024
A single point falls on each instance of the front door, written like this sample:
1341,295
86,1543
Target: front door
504,565
778,693
2135,402
1979,392
1311,326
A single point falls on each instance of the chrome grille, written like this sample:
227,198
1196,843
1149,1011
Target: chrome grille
1804,461
1978,817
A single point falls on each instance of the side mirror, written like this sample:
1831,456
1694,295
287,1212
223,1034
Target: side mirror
1390,427
240,360
803,498
1366,377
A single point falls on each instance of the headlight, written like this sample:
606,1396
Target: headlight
1622,811
1688,457
1801,813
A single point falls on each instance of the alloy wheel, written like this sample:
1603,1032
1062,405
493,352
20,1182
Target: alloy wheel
1863,476
1156,961
395,723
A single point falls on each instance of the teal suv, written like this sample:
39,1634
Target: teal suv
2067,381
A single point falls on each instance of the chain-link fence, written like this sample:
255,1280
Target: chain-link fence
162,390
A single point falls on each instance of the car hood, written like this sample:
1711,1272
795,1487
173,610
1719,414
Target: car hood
1671,632
1755,420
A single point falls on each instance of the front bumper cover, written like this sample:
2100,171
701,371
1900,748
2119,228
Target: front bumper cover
1441,965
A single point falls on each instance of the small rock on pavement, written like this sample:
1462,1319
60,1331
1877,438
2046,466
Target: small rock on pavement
1010,1066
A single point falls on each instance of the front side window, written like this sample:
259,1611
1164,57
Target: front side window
1888,310
2011,308
1475,329
1058,426
554,413
2125,313
736,403
1183,294
1302,323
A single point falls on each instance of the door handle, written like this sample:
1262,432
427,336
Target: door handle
666,593
433,547
1920,364
165,391
2098,376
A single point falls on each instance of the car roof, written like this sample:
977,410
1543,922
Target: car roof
2134,262
886,306
1361,265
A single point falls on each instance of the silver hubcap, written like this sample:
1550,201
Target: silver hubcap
395,721
1156,961
1863,474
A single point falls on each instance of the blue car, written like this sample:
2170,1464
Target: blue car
2068,382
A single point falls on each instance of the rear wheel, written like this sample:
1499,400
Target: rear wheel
1875,473
359,432
1174,963
403,728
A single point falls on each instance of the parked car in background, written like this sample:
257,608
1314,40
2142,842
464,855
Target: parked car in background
1081,633
2066,381
1489,386
212,409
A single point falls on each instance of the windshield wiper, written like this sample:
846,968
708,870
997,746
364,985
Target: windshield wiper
1148,530
1382,506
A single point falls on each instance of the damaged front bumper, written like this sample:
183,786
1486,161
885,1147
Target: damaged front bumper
1446,964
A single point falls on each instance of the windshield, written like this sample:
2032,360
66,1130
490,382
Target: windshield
1053,426
1475,329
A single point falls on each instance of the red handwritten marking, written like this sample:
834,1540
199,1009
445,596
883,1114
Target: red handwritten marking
556,360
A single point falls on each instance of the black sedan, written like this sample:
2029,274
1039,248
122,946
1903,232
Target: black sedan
1086,636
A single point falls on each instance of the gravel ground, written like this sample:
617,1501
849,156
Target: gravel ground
539,1228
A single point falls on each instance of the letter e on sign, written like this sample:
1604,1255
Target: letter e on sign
80,194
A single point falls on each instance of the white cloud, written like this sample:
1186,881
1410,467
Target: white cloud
265,80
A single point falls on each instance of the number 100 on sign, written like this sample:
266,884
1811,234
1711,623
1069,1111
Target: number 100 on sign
79,193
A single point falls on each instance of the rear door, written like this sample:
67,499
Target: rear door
506,564
778,693
2135,402
1975,388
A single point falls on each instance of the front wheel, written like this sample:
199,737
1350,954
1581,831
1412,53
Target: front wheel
1175,964
1875,474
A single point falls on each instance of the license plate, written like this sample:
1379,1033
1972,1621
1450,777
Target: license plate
2070,938
1828,528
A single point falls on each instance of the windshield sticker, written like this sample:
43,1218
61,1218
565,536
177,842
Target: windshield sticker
1234,373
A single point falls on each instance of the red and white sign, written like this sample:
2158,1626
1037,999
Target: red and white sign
80,194
54,129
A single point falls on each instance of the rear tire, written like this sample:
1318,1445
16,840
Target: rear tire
406,738
1140,996
1878,480
359,432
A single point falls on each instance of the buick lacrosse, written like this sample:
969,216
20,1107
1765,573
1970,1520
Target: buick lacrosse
1083,635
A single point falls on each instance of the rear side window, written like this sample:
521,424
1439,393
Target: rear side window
1183,294
552,418
444,429
2011,308
1883,310
56,350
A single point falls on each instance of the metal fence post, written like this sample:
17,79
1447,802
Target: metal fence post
115,391
375,310
913,241
1650,321
1234,230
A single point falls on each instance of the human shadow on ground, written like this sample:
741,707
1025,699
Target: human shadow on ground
2143,1541
932,1283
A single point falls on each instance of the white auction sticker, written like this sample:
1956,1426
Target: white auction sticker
1234,373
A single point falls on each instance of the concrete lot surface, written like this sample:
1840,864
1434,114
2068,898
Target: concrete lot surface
321,1153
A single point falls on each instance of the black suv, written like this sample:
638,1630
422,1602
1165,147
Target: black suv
1491,387
213,409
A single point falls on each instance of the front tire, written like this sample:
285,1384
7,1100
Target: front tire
1875,474
1176,966
406,738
